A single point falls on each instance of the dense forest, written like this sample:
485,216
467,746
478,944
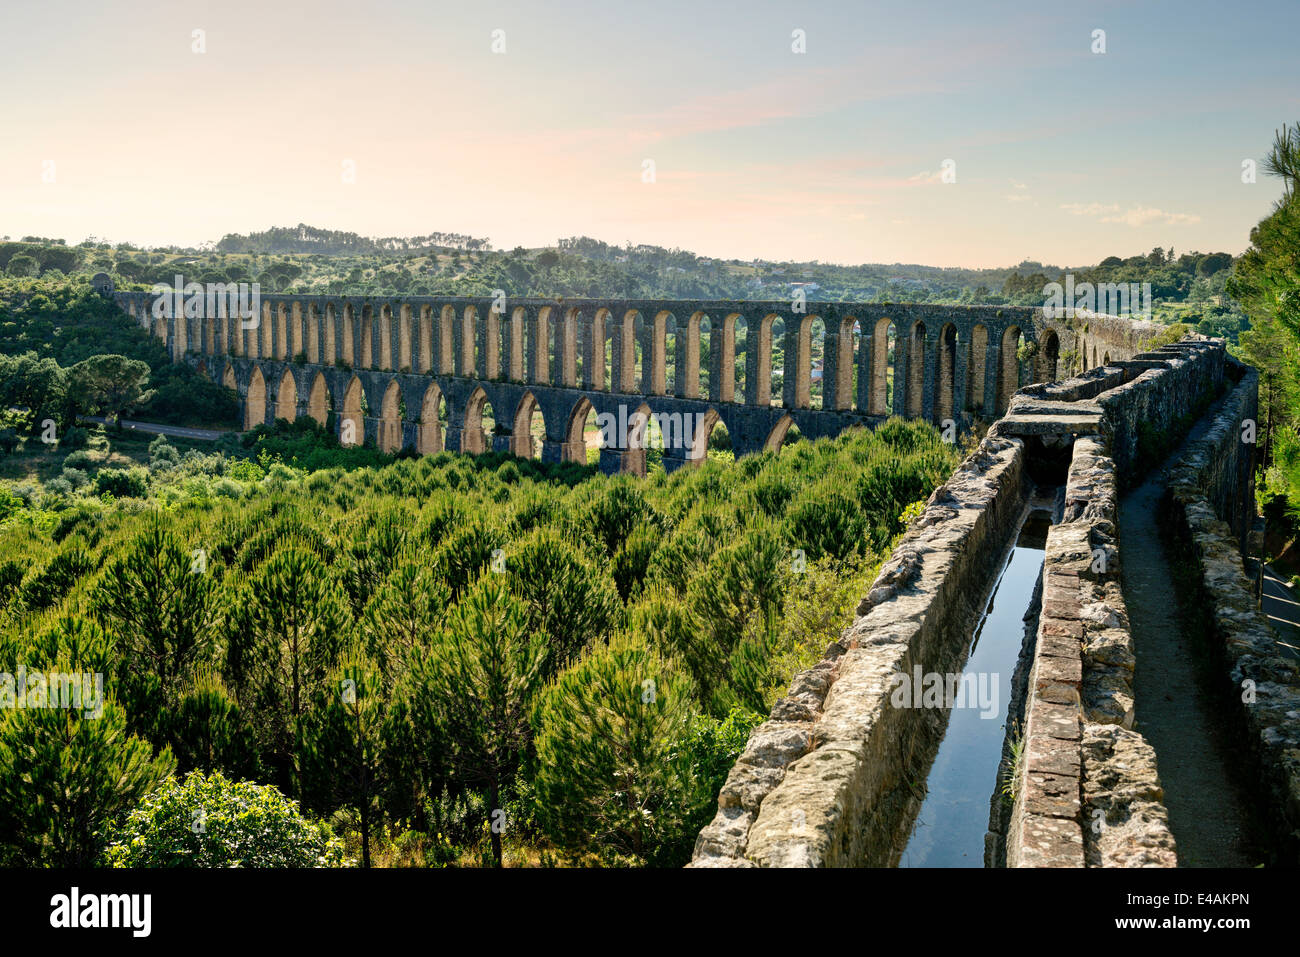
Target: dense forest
439,660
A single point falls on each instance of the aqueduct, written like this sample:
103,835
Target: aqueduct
420,372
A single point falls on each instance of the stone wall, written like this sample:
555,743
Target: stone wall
828,779
1086,788
1209,501
832,777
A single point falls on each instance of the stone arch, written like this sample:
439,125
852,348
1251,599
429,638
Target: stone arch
228,377
202,369
255,401
636,442
472,437
1009,366
492,343
914,391
847,374
776,437
759,340
390,419
521,433
1049,352
945,397
704,424
318,400
625,363
352,424
286,397
1105,360
432,412
575,439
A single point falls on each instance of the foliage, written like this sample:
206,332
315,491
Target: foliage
211,821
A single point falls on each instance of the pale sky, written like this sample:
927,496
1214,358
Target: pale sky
1060,154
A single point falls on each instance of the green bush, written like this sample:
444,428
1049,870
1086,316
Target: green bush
122,483
210,821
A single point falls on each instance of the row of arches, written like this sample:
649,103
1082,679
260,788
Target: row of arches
877,361
474,426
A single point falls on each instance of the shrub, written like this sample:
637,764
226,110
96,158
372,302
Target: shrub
210,821
78,460
122,483
75,478
74,438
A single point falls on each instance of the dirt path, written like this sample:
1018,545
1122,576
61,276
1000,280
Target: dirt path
1176,708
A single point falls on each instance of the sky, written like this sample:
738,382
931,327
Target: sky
682,124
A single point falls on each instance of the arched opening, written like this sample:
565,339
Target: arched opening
638,441
915,393
1009,366
735,359
255,401
286,398
1049,352
492,344
202,369
318,400
529,431
582,437
710,439
352,426
433,417
782,434
1105,360
479,423
945,398
390,419
810,390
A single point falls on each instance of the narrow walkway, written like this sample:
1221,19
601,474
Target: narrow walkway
1176,707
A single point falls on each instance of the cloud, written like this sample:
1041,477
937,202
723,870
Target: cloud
1136,216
